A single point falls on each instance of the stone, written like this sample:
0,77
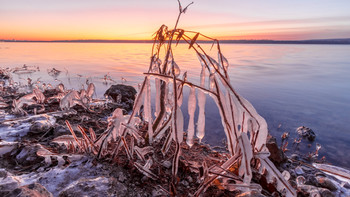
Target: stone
253,193
40,127
26,155
158,192
306,133
189,179
121,177
295,157
122,94
34,189
325,192
326,183
167,164
277,155
99,186
7,187
184,183
299,171
3,174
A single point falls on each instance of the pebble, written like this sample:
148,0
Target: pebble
326,183
298,170
253,193
167,164
190,179
185,183
121,177
306,132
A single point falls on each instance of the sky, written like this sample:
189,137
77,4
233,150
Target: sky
139,19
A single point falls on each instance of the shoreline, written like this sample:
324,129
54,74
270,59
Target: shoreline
33,154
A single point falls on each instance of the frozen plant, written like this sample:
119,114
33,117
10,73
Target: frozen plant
246,131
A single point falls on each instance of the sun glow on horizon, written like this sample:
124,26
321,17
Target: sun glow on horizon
137,20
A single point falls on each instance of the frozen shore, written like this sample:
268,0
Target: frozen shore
39,155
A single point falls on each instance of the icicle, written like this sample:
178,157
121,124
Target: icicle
213,62
247,155
116,119
230,115
202,59
223,60
211,82
191,109
201,105
180,97
90,91
176,68
157,100
147,109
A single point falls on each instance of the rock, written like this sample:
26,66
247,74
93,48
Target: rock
26,155
7,187
311,180
40,127
34,189
295,157
298,170
189,179
99,186
3,174
308,189
326,183
122,94
158,192
325,192
253,193
167,164
121,177
306,133
300,180
277,156
184,183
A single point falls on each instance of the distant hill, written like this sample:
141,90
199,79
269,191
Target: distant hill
316,41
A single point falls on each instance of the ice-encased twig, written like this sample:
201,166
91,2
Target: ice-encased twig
247,155
224,167
282,184
146,171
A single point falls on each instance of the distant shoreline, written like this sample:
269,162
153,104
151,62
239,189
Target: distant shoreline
344,41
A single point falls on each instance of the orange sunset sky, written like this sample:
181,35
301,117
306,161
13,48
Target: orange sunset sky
137,20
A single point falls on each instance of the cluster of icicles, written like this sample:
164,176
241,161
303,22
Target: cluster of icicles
245,129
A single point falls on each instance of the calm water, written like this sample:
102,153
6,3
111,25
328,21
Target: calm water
289,85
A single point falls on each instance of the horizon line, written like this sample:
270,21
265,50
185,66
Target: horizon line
263,41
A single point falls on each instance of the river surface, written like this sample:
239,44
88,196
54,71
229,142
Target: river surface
289,85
